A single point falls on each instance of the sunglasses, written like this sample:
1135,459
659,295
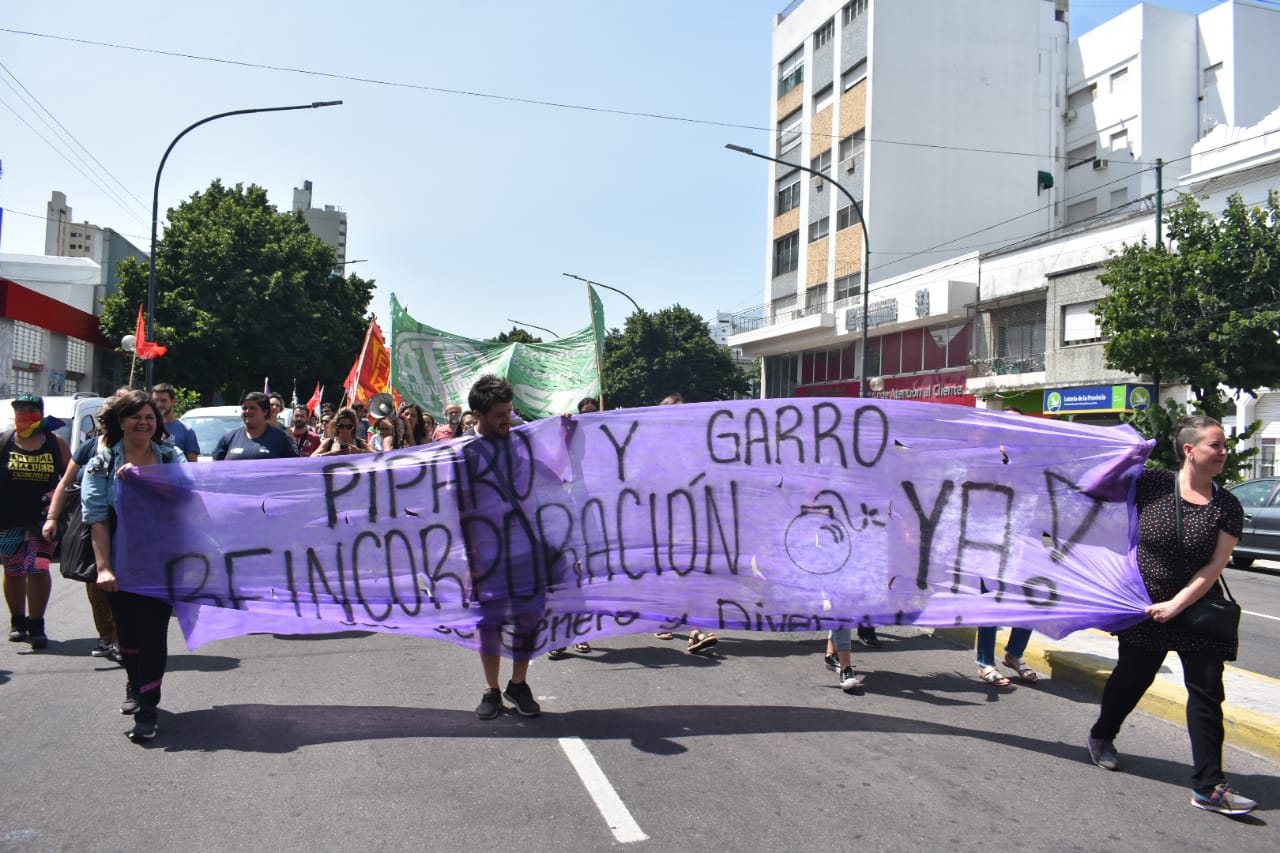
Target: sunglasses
346,426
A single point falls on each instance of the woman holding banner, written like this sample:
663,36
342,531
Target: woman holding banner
133,429
1187,527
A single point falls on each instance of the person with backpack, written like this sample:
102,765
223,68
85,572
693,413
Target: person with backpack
134,433
32,459
65,524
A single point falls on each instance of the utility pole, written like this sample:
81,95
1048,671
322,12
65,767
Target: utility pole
1159,202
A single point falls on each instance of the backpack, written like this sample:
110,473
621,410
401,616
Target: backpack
78,562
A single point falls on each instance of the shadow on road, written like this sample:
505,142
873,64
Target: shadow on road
664,730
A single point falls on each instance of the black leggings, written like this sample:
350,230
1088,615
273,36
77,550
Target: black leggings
1202,673
142,628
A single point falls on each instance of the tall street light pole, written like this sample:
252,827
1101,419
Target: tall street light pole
155,200
866,248
606,287
531,326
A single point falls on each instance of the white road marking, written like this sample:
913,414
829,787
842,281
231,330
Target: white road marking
1261,615
612,809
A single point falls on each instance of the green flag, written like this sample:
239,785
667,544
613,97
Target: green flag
434,368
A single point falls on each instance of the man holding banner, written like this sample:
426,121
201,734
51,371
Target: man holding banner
493,492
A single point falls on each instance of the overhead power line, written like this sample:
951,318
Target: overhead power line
495,96
29,94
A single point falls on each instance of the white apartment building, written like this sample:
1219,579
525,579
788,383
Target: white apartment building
940,117
1151,82
329,223
1000,314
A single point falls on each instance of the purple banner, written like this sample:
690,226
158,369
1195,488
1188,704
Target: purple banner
777,515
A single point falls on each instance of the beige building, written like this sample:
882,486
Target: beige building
329,223
65,238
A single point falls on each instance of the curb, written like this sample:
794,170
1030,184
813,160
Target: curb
1251,730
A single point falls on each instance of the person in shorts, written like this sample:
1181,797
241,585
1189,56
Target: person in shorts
32,460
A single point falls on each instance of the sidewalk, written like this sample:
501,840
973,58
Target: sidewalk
1251,712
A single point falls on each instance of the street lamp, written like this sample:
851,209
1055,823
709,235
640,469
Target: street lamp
155,199
531,326
606,287
866,248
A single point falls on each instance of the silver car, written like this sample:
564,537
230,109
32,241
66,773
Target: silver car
1260,539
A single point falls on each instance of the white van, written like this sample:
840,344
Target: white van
211,423
79,414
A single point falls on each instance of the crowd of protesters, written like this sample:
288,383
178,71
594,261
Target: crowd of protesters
138,429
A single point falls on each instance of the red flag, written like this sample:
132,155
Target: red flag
371,374
314,402
144,348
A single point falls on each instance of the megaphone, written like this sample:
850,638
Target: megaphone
382,405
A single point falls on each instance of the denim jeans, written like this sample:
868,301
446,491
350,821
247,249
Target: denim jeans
1018,639
842,639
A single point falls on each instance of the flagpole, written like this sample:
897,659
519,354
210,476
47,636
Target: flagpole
595,334
364,350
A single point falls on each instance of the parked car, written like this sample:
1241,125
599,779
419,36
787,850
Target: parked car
211,423
79,414
1260,539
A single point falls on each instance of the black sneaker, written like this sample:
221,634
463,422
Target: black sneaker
832,661
490,704
130,704
522,697
144,726
18,629
102,650
113,654
868,638
35,633
850,680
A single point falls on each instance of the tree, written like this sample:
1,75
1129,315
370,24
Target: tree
517,335
1204,314
670,351
243,291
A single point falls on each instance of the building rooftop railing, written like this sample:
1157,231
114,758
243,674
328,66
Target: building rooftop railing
763,316
791,7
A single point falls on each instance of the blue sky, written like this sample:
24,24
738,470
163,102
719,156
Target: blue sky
468,208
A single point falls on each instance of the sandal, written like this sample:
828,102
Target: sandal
556,654
991,675
1026,673
664,635
582,647
700,641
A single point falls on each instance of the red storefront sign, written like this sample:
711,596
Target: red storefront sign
950,387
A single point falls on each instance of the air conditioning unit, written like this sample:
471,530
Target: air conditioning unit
1069,116
817,184
1099,165
849,165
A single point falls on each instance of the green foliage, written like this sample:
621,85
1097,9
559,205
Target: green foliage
517,335
667,352
243,291
1156,422
1205,314
183,399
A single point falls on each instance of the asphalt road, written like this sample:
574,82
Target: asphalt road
1258,589
368,741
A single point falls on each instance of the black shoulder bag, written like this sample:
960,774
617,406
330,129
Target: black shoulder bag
1215,618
